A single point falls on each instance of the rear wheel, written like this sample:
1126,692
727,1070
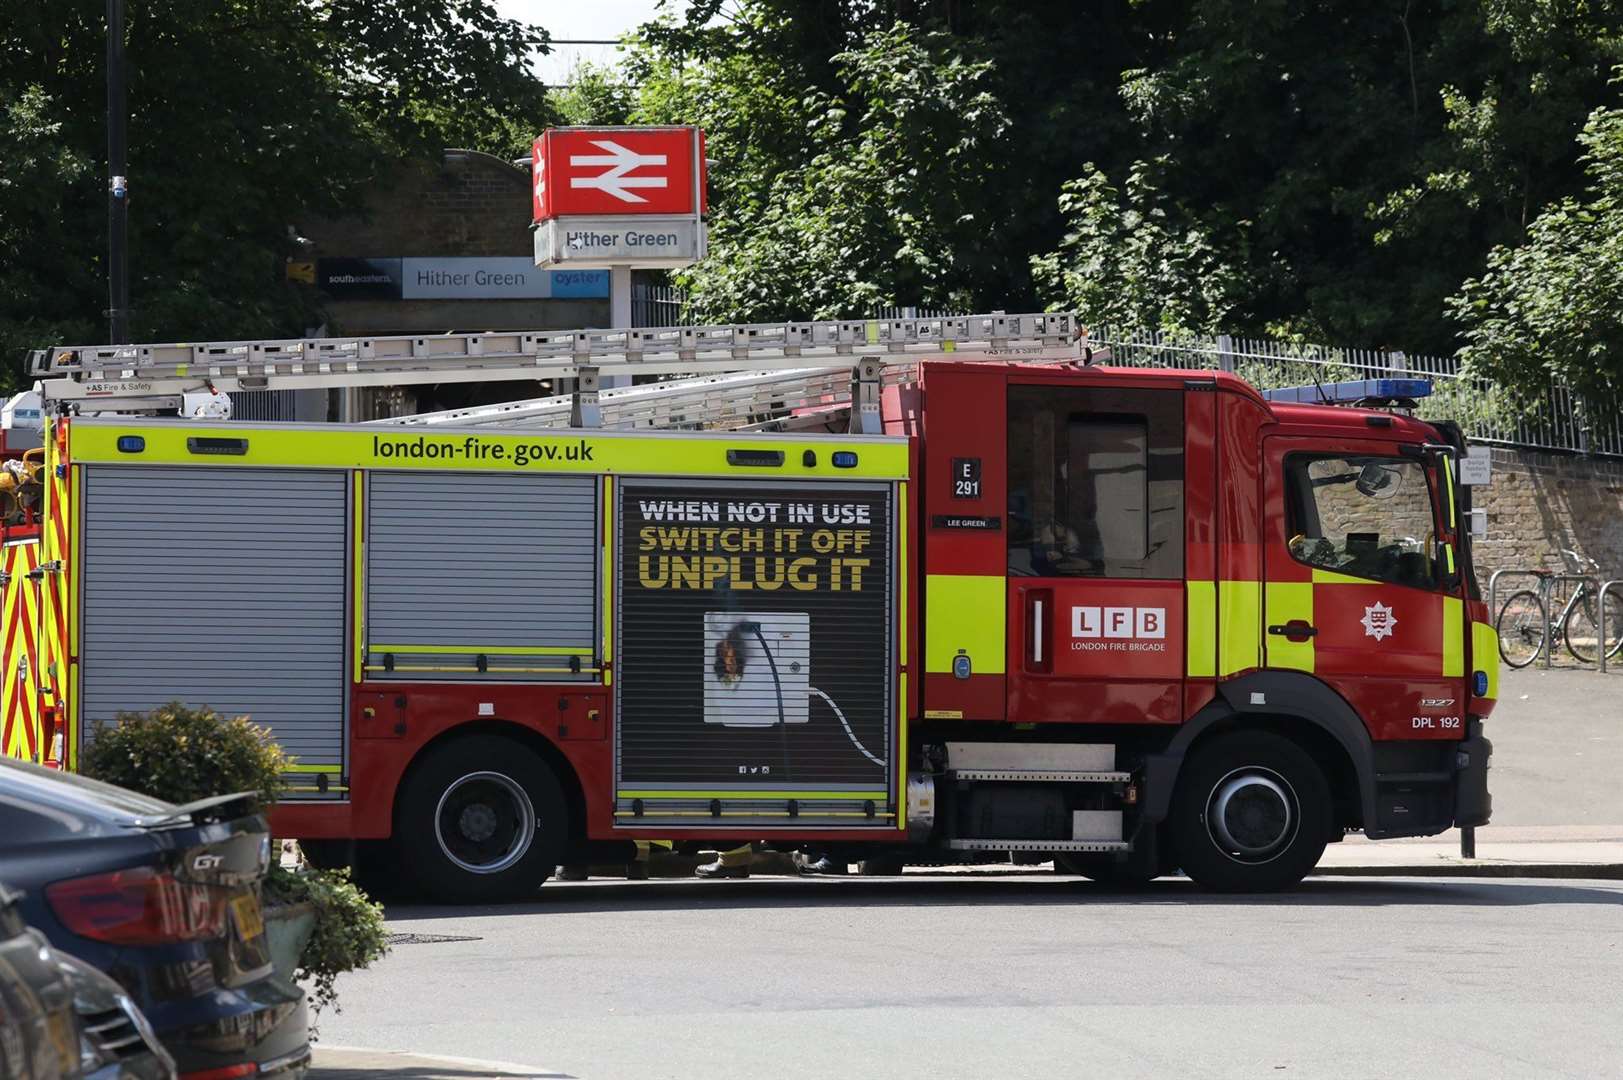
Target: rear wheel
1587,632
1251,813
480,819
1522,625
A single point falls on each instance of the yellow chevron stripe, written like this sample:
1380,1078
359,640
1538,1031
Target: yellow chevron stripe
30,695
11,727
73,505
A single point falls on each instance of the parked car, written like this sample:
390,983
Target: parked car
60,1017
165,899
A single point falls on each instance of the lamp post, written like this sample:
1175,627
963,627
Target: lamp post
118,189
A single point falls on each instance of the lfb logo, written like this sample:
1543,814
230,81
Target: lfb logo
1118,622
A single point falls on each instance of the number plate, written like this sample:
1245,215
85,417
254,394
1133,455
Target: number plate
245,910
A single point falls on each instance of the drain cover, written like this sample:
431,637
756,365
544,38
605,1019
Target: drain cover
427,939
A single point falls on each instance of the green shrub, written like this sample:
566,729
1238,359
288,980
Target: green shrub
181,754
349,932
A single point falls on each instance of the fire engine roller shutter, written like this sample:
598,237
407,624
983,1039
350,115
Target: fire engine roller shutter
464,566
221,587
753,677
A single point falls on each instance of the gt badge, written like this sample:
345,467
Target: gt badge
1378,621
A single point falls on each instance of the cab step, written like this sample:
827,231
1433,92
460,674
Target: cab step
977,844
1031,757
1053,776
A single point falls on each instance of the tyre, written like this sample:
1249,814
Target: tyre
1251,813
1522,625
883,866
1103,869
480,819
1583,633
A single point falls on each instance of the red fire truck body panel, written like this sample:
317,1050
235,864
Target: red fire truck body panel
1092,573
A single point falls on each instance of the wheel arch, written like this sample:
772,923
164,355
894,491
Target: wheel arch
1294,705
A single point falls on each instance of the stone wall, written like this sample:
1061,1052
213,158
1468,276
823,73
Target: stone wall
1540,503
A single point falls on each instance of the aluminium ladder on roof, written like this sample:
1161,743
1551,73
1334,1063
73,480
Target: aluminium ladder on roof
798,399
111,377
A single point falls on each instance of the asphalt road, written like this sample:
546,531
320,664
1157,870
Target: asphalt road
1032,976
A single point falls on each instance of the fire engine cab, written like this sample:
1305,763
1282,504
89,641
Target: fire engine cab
964,593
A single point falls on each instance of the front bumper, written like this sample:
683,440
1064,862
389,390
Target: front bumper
1473,802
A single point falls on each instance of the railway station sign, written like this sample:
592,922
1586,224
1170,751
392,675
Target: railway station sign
622,196
455,278
610,241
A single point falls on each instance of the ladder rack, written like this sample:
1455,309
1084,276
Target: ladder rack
797,399
123,377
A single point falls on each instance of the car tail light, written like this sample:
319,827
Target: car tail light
230,1072
138,906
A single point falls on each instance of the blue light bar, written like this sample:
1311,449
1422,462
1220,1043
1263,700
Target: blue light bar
1346,393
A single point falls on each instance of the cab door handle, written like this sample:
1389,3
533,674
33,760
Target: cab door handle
1294,630
1039,644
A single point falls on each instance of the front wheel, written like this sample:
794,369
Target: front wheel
1522,625
1588,630
1251,813
480,819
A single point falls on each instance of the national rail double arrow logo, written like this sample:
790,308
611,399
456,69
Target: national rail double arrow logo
615,179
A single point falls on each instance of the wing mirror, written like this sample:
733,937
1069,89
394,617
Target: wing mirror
1378,481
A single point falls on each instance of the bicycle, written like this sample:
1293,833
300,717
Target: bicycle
1523,623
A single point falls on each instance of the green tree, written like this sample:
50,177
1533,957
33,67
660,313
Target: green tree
1376,150
244,116
884,190
1340,168
1553,306
40,174
596,96
1137,258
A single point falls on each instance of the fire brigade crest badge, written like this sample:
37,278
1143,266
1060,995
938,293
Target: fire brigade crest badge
1378,621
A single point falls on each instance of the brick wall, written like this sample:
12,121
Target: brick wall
477,206
1540,503
474,206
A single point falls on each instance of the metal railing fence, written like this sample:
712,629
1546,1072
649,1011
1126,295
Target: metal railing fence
1558,418
658,305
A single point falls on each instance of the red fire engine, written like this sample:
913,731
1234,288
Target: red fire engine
1020,602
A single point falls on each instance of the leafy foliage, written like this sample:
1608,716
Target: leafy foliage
1306,168
1138,259
349,934
182,754
878,190
596,96
1554,305
245,115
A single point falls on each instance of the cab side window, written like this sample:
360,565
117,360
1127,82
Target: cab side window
1369,517
1095,483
